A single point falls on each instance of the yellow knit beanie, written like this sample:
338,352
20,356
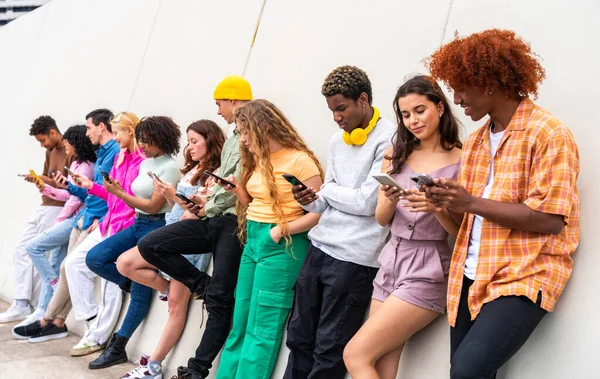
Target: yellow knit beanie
233,87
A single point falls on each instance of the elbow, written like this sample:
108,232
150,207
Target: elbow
557,228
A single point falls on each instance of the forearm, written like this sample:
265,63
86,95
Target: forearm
517,216
356,201
447,221
243,196
304,223
55,193
384,213
99,191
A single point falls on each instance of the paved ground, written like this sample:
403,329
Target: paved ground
49,360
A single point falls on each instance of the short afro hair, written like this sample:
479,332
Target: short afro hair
84,150
349,81
159,131
493,59
43,125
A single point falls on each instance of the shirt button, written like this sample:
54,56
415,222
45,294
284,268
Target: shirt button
411,226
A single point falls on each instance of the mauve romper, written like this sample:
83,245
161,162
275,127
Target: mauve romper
415,261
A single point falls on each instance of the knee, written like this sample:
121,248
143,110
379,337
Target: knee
177,308
33,250
93,262
353,356
125,266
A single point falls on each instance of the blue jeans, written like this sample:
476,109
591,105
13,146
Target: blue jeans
55,240
102,260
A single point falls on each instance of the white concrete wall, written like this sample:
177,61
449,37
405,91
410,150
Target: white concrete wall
164,57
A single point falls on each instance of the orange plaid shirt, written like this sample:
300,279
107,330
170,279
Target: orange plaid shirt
537,164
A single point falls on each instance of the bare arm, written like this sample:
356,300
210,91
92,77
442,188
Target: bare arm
387,198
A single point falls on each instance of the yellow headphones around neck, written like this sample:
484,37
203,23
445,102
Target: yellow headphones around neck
359,135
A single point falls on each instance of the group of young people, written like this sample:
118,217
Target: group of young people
288,239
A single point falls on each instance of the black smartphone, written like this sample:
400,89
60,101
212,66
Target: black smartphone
185,199
218,178
106,176
75,178
422,180
294,181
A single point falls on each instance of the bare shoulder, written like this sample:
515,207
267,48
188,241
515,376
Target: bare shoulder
455,154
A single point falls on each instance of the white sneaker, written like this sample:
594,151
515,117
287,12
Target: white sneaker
144,371
15,313
85,346
37,315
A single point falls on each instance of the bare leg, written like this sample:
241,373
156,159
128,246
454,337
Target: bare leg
132,265
179,298
385,332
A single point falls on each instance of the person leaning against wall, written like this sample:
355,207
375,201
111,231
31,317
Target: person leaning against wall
203,152
207,228
410,286
336,281
274,228
56,239
517,191
27,280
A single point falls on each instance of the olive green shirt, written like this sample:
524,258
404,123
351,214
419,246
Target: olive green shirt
222,202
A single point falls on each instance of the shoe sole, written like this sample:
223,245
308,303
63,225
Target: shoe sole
13,320
20,337
122,360
81,353
48,338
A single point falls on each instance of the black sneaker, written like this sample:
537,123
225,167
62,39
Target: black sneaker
26,331
50,332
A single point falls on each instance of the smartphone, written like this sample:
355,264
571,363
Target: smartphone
219,178
294,181
75,178
154,176
106,176
36,178
422,180
21,175
185,199
387,180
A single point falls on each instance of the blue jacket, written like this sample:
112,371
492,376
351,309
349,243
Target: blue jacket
94,207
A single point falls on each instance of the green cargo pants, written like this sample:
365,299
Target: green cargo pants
263,298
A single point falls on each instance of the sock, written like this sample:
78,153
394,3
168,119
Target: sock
54,284
154,367
21,303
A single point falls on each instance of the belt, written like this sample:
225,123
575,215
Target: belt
144,216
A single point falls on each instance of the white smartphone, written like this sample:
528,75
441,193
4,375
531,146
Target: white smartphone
387,180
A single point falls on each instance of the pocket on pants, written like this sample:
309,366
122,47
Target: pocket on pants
272,312
353,316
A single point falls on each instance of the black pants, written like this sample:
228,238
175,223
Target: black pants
163,248
331,300
479,348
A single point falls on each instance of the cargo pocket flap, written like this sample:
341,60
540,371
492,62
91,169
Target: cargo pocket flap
276,299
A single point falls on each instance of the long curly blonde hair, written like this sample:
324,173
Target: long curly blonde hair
262,120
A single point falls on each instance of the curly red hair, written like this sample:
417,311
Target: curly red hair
493,59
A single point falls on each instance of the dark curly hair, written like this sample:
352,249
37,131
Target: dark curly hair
43,125
492,59
160,131
215,138
349,81
84,150
404,140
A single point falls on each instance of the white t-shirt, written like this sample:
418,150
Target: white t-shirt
475,240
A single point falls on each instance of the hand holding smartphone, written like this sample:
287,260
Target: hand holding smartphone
73,175
294,181
185,199
155,177
36,178
422,180
106,176
219,178
387,180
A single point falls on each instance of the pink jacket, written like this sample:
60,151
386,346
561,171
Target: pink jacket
72,203
119,215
